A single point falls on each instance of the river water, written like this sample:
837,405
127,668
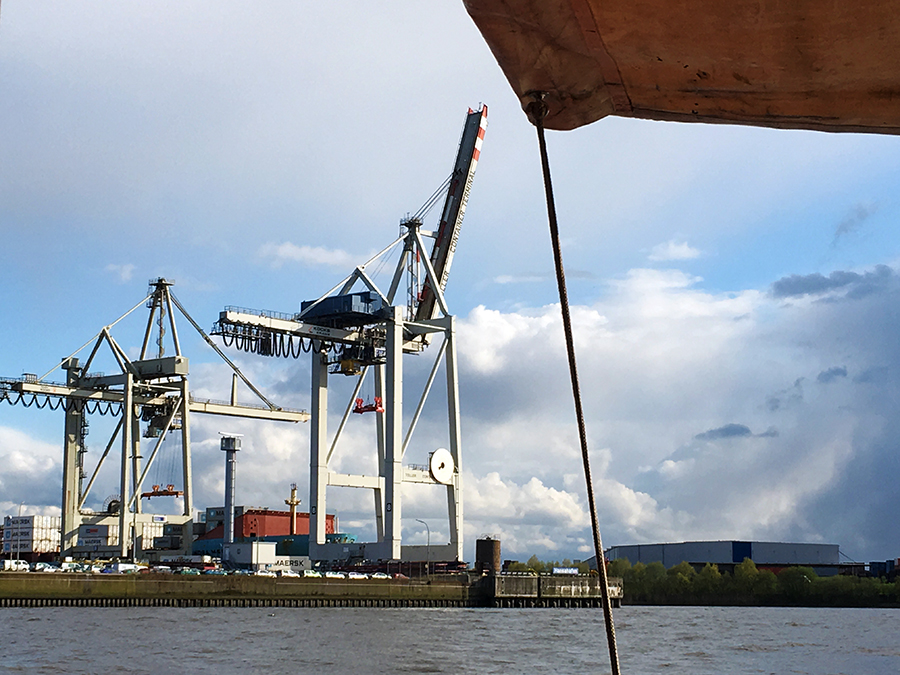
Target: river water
672,640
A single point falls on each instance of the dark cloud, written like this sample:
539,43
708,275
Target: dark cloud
784,397
728,431
832,374
857,511
735,431
874,375
853,220
857,285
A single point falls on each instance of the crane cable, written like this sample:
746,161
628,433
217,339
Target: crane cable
537,111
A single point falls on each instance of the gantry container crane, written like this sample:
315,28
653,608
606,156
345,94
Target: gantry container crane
152,389
351,333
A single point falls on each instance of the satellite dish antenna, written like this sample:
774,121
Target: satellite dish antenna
442,466
112,504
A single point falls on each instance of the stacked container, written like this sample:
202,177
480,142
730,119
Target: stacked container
93,535
31,534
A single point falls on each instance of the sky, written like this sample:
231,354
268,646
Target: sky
735,291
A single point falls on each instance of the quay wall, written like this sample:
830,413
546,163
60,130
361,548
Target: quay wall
172,590
95,590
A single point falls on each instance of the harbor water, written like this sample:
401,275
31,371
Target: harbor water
672,640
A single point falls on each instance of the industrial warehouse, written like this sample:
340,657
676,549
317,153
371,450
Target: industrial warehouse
823,558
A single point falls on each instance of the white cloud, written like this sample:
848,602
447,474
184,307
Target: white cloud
662,362
31,472
279,254
673,250
124,272
520,279
688,432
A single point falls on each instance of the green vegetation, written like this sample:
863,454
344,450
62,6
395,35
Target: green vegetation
653,584
546,566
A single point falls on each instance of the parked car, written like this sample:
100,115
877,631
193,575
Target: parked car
357,575
15,565
380,575
331,574
288,573
312,573
264,573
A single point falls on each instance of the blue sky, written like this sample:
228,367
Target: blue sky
197,141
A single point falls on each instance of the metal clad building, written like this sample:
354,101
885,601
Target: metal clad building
726,553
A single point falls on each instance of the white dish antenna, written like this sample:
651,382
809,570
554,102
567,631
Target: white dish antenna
441,466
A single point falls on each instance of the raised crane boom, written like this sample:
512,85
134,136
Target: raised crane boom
350,331
454,208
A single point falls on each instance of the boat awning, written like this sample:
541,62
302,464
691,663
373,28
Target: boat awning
799,64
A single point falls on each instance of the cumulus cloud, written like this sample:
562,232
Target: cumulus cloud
673,250
698,424
31,471
660,358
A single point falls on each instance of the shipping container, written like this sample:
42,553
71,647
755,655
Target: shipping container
93,531
186,559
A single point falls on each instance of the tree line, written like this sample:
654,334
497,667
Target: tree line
653,584
546,566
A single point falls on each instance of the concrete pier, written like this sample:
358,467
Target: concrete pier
172,590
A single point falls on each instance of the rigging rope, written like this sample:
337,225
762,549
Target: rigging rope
433,199
537,110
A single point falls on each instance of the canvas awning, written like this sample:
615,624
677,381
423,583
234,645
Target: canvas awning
805,64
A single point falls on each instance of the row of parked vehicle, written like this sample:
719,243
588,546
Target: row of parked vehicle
351,575
272,573
131,568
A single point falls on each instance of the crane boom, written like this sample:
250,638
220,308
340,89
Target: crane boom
454,208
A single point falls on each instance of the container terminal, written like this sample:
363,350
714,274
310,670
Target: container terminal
358,331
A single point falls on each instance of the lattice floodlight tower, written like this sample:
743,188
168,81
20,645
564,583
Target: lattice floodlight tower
352,333
150,390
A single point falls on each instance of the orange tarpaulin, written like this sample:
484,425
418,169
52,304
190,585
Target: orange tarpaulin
805,64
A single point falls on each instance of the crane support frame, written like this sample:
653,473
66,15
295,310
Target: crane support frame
401,325
159,385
